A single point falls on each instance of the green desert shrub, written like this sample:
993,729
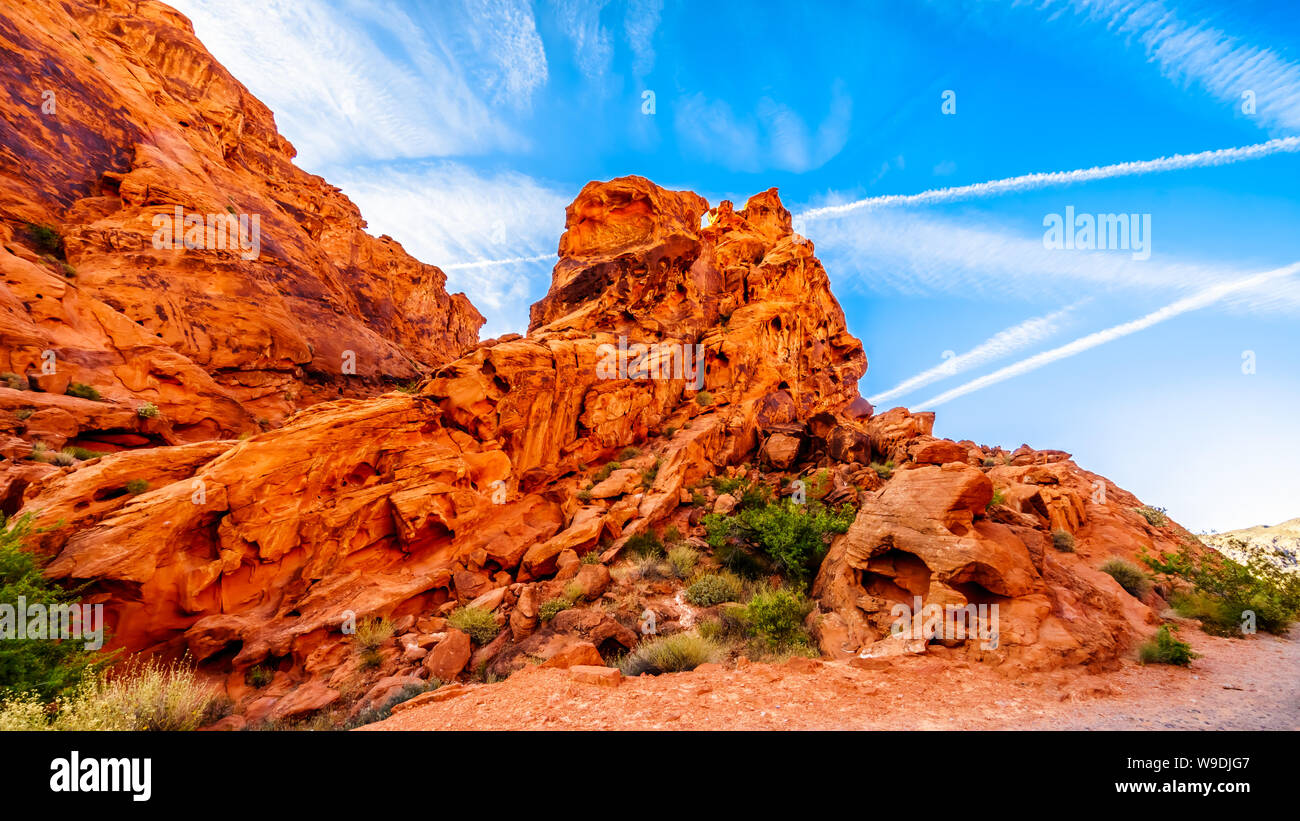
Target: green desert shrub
23,414
670,654
628,452
44,668
83,391
382,711
78,452
1227,595
709,589
999,498
1063,540
553,607
45,237
147,411
1155,516
795,537
14,381
683,558
63,459
1165,649
1129,576
259,676
479,623
372,633
136,697
704,399
137,486
883,469
776,617
644,544
591,556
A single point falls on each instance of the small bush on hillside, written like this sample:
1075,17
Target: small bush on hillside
147,411
382,711
63,459
704,399
259,676
883,469
591,556
794,536
45,237
628,452
136,486
1165,649
670,654
1129,576
83,391
999,498
553,607
479,623
142,696
776,617
14,381
372,633
709,589
1227,595
644,544
1063,540
83,453
1155,516
44,668
23,414
683,558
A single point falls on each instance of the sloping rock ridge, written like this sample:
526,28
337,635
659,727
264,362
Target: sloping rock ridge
116,120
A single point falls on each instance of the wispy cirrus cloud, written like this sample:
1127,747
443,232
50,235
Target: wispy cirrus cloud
773,136
392,84
449,215
593,47
1002,344
1193,52
640,23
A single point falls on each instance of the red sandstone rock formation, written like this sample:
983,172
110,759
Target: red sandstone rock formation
114,113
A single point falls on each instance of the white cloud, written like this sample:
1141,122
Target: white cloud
448,215
312,63
1003,343
1194,52
640,23
1203,298
773,137
593,48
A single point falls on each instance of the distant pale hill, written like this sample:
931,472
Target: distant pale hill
1280,543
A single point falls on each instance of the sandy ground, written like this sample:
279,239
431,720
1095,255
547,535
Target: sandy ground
1238,684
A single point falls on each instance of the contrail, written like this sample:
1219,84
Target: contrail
1223,156
1197,300
484,263
995,347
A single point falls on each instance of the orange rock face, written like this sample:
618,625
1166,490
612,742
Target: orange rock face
115,116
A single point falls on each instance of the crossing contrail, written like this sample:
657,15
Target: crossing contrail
1222,156
1200,299
997,346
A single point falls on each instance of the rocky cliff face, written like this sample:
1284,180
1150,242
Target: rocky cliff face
116,119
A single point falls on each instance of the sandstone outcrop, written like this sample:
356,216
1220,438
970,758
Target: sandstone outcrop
115,115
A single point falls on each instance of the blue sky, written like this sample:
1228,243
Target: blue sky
463,127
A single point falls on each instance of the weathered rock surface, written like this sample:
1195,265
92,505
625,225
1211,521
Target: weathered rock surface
114,113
